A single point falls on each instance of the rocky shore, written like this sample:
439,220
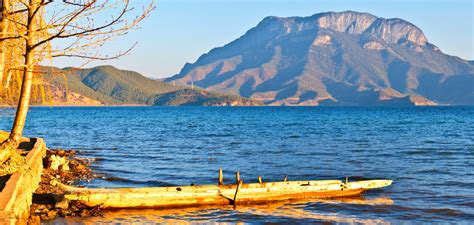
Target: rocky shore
48,200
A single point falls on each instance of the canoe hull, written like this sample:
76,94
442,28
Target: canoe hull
188,196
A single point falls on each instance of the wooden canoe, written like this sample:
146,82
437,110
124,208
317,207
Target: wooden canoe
186,196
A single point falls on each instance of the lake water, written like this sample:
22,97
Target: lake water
427,151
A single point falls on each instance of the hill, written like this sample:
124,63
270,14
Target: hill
345,58
107,85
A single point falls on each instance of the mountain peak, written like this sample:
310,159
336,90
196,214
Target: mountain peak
397,30
393,30
348,21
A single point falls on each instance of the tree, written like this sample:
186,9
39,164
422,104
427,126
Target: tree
50,29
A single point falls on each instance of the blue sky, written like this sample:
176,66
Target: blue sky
179,31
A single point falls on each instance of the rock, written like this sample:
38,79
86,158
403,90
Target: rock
80,167
40,209
64,212
373,45
57,161
322,40
51,214
34,220
74,209
64,204
62,153
64,167
84,213
48,216
63,174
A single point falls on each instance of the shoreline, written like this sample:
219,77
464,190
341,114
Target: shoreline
66,167
272,106
45,106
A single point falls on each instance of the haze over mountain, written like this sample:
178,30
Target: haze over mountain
345,58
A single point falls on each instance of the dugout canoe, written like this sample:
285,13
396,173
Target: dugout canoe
233,194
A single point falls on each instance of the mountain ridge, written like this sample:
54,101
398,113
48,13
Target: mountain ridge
348,58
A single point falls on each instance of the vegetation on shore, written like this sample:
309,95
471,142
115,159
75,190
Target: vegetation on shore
107,85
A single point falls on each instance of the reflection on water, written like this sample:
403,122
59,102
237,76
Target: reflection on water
281,211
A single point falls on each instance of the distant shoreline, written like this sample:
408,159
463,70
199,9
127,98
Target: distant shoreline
125,105
285,106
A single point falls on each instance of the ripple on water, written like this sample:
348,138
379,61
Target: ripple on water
427,151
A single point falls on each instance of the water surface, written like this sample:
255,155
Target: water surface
427,151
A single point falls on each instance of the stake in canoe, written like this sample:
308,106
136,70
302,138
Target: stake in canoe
221,194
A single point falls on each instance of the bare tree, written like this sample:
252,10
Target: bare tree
67,28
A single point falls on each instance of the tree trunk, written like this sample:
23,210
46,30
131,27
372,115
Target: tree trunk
24,103
11,144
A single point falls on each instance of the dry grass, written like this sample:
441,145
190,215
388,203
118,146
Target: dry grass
16,161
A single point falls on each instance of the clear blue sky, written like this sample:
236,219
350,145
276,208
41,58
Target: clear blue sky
179,31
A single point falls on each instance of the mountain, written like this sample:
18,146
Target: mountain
107,85
345,58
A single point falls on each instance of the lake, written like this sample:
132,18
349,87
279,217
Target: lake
427,151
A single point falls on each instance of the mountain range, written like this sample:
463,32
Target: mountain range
334,58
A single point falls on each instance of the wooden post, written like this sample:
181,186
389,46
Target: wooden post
237,191
286,178
260,179
347,180
237,177
221,177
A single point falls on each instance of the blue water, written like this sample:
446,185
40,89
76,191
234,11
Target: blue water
427,151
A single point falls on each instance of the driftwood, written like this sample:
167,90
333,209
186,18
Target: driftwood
231,194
